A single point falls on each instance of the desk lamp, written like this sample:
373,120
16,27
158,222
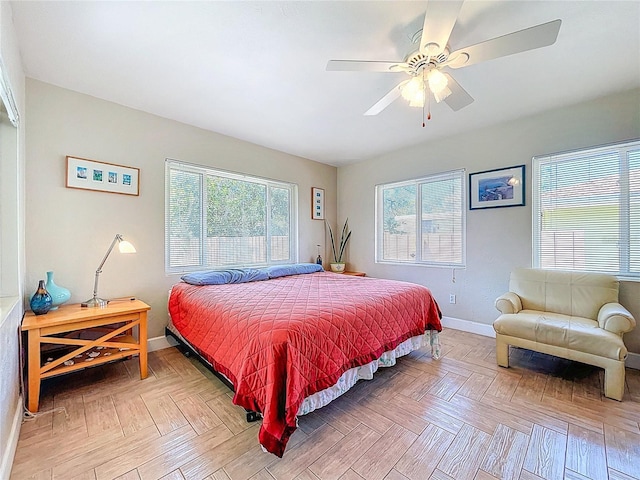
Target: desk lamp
124,247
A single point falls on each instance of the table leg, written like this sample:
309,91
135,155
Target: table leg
142,338
34,369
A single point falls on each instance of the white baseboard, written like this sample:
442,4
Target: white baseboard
469,326
158,343
633,361
9,452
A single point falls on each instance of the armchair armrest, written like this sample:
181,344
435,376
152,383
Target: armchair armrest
614,318
508,303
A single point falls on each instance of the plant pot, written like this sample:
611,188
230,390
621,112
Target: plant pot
338,267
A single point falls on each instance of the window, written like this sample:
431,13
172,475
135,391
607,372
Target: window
216,219
422,221
586,210
9,196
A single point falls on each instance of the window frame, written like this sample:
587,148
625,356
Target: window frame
10,250
459,174
622,149
204,172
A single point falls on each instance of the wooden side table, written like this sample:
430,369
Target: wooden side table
355,274
110,332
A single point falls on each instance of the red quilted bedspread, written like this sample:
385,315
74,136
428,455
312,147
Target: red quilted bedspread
283,339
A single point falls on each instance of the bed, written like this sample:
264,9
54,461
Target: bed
289,343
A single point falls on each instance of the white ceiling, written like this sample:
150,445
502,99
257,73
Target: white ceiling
256,70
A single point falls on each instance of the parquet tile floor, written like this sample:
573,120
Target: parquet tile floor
460,417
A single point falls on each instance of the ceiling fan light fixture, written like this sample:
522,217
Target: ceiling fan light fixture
413,92
442,94
437,81
417,101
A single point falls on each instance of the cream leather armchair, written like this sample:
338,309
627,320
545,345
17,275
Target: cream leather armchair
567,314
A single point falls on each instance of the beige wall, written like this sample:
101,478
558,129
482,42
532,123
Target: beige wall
68,231
497,239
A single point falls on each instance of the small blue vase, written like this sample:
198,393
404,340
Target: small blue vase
41,301
59,295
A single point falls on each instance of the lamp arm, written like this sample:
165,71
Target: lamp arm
117,238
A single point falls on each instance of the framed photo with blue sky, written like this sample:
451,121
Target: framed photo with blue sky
503,187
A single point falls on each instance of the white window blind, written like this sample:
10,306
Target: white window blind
217,219
421,221
586,210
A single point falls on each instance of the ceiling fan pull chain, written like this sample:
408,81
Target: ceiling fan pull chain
423,103
424,98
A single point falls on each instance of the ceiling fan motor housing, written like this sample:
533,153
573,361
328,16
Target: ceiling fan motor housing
418,61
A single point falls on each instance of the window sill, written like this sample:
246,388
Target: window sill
7,305
457,266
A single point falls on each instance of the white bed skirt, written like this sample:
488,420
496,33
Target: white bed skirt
364,372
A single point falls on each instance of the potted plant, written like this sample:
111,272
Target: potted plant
338,250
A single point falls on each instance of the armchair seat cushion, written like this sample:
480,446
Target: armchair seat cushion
566,331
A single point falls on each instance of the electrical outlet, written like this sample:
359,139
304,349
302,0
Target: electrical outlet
452,298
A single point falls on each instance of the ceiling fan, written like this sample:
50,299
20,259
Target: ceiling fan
433,54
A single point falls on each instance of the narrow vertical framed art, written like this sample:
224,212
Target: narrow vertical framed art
317,203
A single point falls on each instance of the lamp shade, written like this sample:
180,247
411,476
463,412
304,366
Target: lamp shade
442,94
412,88
413,92
437,80
126,247
438,84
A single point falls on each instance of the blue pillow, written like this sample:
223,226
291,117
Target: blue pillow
243,275
220,277
276,271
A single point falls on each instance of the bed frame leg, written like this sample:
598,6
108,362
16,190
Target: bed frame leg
252,417
187,352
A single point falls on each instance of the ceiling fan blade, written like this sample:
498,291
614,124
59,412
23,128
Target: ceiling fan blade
459,97
516,42
385,101
439,20
364,66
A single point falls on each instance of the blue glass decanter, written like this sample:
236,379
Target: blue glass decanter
41,301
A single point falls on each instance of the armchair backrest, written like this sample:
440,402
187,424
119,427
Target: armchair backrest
569,293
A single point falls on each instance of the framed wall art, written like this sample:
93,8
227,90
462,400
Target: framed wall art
104,177
503,187
317,203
